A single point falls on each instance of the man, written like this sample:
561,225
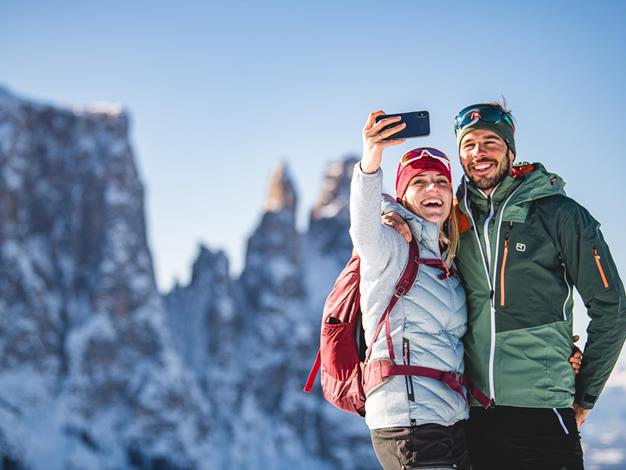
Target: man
524,244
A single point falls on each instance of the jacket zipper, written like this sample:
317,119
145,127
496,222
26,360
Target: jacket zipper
599,265
492,347
504,256
569,291
492,392
406,352
483,258
486,231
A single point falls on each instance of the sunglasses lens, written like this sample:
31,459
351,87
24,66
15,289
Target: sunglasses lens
481,112
422,152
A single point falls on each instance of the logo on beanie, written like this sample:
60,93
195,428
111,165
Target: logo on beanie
475,118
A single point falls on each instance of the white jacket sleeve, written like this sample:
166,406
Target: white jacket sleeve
374,242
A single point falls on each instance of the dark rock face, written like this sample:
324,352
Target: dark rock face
272,257
85,354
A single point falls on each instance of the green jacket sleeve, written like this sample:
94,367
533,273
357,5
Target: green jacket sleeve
590,266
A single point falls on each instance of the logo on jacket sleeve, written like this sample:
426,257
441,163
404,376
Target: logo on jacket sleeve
520,247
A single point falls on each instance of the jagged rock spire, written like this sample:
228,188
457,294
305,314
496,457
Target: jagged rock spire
335,194
281,194
330,218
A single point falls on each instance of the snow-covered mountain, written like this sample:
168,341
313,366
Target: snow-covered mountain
269,422
89,375
99,371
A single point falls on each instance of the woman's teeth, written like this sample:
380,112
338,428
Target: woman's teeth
432,202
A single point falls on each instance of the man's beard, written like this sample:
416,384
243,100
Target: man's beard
482,182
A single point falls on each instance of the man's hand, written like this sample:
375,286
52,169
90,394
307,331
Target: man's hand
398,224
580,414
576,358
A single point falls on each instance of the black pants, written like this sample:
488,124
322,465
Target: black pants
505,437
429,446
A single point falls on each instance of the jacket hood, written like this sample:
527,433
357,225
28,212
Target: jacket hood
425,232
528,182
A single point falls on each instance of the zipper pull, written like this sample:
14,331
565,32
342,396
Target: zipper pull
599,266
503,267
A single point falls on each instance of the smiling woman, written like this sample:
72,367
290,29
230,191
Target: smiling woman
414,420
429,193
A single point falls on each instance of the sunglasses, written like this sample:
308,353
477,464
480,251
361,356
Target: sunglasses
422,152
481,112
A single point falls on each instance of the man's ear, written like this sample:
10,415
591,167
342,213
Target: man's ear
511,155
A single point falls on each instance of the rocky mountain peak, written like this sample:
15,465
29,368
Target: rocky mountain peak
281,193
330,218
82,325
208,260
335,194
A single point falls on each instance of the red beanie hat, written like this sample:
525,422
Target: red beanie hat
418,161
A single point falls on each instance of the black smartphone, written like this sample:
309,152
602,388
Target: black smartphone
417,124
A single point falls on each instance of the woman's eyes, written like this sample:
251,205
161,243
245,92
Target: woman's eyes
421,183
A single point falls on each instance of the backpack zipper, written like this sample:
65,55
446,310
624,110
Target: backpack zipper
599,265
504,256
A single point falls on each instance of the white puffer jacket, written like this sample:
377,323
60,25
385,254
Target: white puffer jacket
432,316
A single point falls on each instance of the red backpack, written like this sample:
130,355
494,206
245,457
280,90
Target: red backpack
348,376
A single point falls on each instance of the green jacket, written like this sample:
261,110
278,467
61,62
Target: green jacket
521,252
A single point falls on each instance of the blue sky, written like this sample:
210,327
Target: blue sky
220,92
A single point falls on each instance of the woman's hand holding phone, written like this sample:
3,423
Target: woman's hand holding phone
374,140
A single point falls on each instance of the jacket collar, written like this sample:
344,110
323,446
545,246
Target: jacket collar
533,180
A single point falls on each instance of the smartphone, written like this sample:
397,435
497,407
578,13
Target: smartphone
417,124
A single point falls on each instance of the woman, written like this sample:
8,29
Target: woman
415,422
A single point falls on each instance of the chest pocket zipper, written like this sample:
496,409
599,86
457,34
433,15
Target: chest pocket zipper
505,254
599,265
502,269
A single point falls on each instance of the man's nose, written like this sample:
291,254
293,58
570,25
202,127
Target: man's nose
476,150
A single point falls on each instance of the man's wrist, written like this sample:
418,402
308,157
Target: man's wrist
583,405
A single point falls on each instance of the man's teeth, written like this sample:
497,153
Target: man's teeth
482,166
429,202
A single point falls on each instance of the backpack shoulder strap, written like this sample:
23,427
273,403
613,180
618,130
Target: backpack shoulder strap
314,370
403,285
